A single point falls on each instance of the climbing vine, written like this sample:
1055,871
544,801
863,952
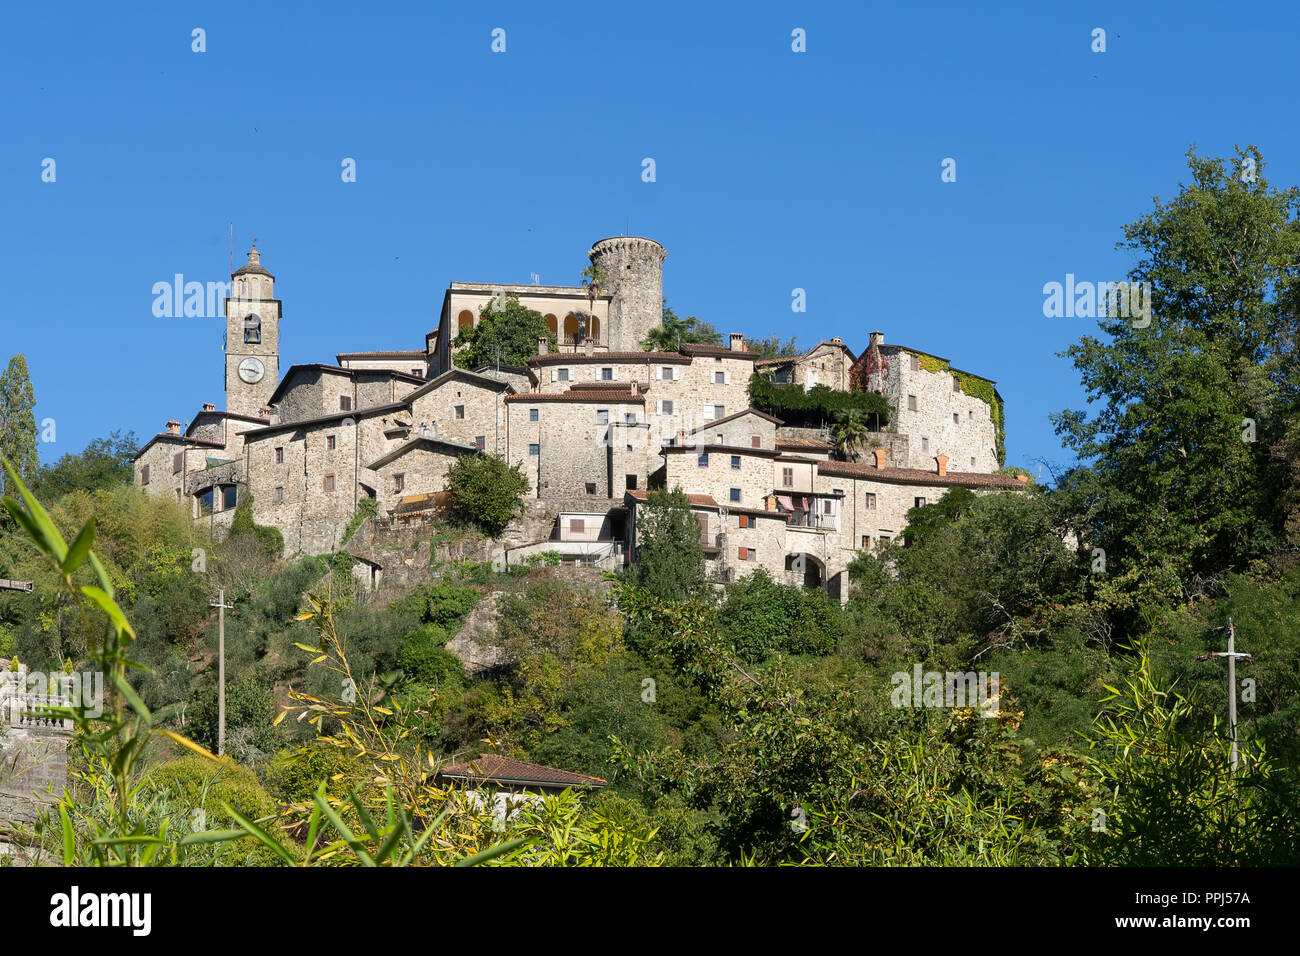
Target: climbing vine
975,387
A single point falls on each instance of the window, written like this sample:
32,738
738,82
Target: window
918,502
178,462
399,483
871,501
630,418
252,330
228,494
460,411
205,502
417,372
747,521
828,506
607,375
972,461
533,415
330,443
577,525
956,419
755,441
719,378
735,494
884,541
667,373
956,384
718,439
602,416
278,497
329,482
787,477
480,442
464,321
534,449
631,482
970,416
665,408
703,461
144,475
591,487
719,411
911,403
866,541
345,403
561,374
279,456
925,444
914,362
746,554
735,462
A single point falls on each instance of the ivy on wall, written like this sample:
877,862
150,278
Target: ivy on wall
975,387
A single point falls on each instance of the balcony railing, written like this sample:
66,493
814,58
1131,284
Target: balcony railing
810,519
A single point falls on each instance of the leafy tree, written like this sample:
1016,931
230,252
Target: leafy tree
509,326
487,492
816,406
18,421
675,332
670,558
774,347
103,463
761,616
1181,487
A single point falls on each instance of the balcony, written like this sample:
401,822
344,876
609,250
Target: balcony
810,519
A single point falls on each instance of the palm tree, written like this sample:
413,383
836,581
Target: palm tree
850,433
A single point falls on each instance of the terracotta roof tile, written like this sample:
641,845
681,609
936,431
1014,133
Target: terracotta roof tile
493,768
624,396
918,476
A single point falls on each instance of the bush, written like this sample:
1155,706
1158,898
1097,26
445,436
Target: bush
422,657
486,492
761,616
293,775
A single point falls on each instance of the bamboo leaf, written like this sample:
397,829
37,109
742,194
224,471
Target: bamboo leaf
186,742
80,548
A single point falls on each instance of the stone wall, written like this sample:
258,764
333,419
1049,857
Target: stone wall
634,272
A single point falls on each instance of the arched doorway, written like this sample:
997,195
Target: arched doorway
805,569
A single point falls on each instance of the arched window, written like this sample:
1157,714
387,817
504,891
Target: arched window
571,327
552,324
252,329
593,329
465,321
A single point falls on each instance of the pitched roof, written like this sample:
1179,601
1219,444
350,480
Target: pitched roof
703,501
781,360
812,444
475,378
701,348
570,358
394,353
493,768
918,476
323,419
907,348
740,414
336,370
402,449
216,413
177,439
600,395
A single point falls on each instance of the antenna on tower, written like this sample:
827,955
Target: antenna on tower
232,247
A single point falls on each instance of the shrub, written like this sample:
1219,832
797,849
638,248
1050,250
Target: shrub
486,492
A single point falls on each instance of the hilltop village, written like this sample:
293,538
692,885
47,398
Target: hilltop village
595,424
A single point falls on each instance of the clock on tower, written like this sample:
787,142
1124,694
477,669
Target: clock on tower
252,338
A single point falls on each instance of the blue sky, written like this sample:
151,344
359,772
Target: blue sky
775,170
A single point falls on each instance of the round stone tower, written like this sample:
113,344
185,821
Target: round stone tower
634,271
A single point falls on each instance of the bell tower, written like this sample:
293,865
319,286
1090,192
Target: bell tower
252,338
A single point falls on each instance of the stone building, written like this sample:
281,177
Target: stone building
594,424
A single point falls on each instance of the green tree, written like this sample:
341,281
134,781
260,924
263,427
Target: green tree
486,492
103,463
506,325
18,421
670,557
675,332
774,347
1181,486
850,433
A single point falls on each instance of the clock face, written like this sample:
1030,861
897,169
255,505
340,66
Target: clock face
250,370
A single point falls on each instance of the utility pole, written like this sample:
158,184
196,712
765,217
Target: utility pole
1231,654
221,606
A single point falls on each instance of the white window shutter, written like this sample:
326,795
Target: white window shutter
708,413
554,373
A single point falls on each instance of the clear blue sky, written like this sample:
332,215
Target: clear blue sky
775,170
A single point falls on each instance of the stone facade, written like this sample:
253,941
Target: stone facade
594,426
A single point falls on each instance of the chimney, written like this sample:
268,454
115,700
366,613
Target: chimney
589,345
173,428
543,343
209,407
880,454
1024,478
942,462
737,342
877,337
636,388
